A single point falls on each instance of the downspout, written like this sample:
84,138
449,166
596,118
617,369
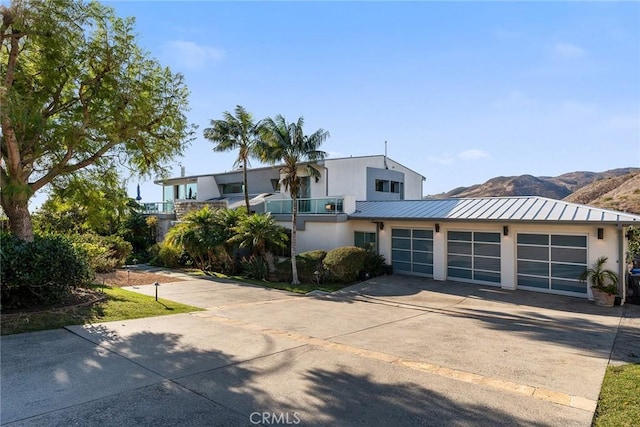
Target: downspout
622,266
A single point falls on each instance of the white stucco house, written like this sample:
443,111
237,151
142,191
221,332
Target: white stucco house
530,243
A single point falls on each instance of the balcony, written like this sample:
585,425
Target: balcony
158,208
323,206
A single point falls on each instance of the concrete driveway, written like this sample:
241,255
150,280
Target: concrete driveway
393,350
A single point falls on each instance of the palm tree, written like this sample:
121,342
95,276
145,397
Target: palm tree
235,132
197,235
601,278
286,143
260,232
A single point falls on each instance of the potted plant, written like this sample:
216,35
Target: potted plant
604,283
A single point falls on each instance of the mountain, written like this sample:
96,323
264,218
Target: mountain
621,193
617,189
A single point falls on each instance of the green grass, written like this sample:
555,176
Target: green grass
119,305
619,403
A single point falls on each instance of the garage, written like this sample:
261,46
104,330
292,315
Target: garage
473,256
528,242
551,262
412,251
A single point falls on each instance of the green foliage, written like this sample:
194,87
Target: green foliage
286,143
40,272
89,201
601,278
119,304
79,92
374,264
619,401
259,231
140,232
254,267
104,252
163,255
307,264
633,249
345,263
237,132
204,235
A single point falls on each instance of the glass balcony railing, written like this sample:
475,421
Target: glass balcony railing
158,208
327,205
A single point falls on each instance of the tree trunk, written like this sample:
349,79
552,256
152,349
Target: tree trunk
294,218
246,187
17,210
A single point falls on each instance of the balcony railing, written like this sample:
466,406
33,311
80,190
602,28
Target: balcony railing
158,208
327,205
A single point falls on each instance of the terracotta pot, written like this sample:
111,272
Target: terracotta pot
603,299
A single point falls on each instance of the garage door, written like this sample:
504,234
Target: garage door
412,251
473,256
552,262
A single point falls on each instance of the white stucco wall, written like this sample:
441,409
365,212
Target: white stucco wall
322,235
595,248
207,188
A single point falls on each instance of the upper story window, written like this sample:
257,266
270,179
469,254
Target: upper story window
275,183
382,185
231,188
396,187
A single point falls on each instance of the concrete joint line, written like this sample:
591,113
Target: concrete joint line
249,304
539,393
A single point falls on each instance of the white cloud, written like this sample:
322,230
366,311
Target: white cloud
568,50
465,155
190,54
473,154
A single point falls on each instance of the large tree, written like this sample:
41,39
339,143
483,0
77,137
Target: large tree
77,92
286,143
237,132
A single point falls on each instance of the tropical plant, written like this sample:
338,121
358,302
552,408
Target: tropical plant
78,92
259,232
601,278
198,235
286,142
236,132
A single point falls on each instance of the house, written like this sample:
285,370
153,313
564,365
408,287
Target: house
531,243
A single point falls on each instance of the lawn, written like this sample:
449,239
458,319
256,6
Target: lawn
119,304
301,288
619,403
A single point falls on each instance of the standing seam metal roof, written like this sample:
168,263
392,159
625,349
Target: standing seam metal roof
527,208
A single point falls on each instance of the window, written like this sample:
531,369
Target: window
365,240
232,188
395,186
382,186
275,183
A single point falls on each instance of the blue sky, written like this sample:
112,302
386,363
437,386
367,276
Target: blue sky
462,91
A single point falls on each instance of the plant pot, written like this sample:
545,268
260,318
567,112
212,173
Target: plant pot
603,299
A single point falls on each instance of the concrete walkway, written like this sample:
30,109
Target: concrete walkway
395,349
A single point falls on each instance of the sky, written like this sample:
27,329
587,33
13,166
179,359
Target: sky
461,91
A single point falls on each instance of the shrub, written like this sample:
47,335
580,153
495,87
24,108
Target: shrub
105,252
163,255
343,264
307,264
40,272
373,264
254,268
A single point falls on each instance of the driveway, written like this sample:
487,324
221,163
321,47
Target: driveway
394,349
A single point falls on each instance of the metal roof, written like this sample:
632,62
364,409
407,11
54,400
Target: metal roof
521,209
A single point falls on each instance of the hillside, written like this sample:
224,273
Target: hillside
621,193
617,189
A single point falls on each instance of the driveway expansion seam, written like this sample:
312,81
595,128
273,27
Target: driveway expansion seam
539,393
